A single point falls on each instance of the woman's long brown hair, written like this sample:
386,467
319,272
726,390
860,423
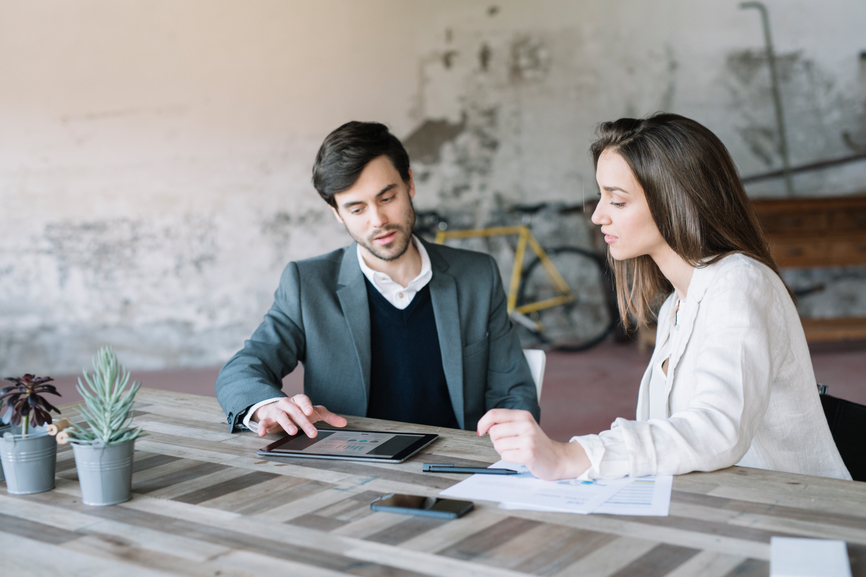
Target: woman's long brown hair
695,198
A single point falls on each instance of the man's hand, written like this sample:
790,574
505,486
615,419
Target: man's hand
518,439
293,413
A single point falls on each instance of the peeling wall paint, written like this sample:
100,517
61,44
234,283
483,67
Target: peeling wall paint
425,142
155,161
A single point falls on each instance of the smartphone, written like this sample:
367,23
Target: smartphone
424,506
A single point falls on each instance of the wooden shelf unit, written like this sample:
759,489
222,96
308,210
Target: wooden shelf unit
818,232
815,232
812,232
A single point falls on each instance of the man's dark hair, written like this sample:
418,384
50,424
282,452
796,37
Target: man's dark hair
347,150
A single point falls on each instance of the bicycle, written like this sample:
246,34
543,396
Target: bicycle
563,299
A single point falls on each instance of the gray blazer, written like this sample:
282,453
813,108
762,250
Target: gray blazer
321,318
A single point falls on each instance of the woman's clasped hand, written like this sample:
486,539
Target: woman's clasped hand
518,439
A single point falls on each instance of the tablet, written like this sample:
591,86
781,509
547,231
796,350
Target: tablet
390,447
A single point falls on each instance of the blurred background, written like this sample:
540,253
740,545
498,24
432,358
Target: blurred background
155,155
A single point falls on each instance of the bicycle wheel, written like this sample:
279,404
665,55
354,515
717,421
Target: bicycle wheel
577,325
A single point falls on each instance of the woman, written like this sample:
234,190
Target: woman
730,380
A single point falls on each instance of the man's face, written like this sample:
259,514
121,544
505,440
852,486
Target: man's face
377,210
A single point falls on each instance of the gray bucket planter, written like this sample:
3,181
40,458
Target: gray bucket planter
3,429
105,472
28,462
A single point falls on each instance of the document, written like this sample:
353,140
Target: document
648,496
524,488
644,496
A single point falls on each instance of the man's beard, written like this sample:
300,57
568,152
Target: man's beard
397,247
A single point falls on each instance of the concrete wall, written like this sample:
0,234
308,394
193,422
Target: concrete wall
155,155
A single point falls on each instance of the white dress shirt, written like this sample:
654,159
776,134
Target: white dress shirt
739,389
397,295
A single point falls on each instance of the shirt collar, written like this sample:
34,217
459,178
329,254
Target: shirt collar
416,284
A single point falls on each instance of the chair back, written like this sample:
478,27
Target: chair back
537,360
847,421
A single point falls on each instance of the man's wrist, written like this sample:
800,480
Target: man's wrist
251,424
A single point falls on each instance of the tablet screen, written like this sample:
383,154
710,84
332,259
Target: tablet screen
354,445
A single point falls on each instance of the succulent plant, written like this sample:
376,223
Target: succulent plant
25,403
107,411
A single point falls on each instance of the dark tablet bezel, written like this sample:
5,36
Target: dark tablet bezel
422,440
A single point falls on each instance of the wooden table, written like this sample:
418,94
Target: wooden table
205,504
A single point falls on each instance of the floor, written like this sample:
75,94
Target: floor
583,392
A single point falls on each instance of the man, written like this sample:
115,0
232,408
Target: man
389,327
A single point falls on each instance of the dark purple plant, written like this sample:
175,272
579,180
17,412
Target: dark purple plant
25,403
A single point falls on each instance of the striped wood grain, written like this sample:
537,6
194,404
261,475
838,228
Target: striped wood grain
204,502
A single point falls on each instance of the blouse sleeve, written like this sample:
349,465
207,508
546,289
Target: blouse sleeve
608,455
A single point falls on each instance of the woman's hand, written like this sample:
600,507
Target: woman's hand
518,439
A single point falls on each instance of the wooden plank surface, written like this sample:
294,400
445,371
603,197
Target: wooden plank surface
204,503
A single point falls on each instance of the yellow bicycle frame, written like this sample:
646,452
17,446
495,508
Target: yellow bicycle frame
525,237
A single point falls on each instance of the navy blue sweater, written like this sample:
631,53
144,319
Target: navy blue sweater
407,382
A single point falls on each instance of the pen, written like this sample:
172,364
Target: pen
431,468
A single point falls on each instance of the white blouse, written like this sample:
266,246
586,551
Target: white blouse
739,389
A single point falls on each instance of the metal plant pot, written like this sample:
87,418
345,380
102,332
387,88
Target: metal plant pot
28,461
3,429
105,472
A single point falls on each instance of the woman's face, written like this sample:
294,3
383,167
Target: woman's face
623,213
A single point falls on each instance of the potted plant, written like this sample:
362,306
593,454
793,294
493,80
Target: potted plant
28,452
104,443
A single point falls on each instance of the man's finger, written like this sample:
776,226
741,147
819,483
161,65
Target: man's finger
303,402
274,428
286,423
297,415
268,425
263,427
